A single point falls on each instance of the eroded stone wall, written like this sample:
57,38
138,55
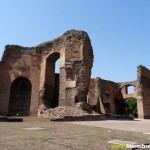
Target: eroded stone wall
37,64
103,92
109,97
19,62
143,92
76,60
70,88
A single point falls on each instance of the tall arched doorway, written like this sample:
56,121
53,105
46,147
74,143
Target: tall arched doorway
51,94
20,97
126,103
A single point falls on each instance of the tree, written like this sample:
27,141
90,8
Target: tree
131,106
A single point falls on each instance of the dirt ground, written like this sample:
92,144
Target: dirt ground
136,125
40,134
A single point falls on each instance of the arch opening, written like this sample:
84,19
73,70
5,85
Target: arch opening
130,89
131,107
127,107
20,97
51,95
126,103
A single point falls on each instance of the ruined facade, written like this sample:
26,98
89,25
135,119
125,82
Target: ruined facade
108,97
28,80
30,86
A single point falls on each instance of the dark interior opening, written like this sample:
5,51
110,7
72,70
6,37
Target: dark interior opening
20,97
51,98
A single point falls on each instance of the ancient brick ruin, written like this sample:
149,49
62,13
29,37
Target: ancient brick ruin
108,97
30,86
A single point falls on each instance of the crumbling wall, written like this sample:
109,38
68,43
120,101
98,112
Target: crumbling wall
76,60
124,91
112,95
143,92
109,92
69,89
123,94
1,87
37,64
108,97
91,93
102,95
19,62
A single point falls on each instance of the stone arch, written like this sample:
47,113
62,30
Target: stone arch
20,97
124,94
125,91
51,93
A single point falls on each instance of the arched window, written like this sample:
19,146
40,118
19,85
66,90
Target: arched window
130,89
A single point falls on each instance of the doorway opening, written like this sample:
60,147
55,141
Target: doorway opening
131,107
20,97
130,89
51,95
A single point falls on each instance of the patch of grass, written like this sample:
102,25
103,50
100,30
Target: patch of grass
45,139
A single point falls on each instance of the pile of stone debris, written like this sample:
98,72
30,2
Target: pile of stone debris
81,111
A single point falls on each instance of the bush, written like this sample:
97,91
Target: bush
131,106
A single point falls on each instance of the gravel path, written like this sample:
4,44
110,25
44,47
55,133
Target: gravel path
136,125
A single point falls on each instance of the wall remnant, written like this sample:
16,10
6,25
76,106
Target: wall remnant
49,91
113,94
30,86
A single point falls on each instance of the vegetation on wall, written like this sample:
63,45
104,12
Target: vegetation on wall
131,106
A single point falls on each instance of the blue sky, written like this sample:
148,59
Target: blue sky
119,30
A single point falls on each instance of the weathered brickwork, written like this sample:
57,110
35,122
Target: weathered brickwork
30,86
112,95
33,69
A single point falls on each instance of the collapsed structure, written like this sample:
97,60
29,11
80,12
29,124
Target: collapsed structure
112,95
30,86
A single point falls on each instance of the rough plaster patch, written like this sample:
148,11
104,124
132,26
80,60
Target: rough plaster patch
71,84
121,142
34,129
62,61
